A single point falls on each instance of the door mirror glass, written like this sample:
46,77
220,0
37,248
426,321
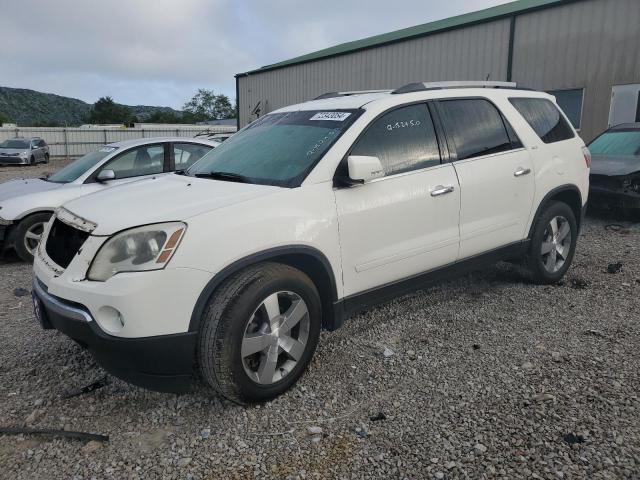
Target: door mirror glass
363,169
106,175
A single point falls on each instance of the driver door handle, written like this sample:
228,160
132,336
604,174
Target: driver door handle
441,190
521,171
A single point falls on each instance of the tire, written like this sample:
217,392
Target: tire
32,160
25,242
46,158
237,311
549,265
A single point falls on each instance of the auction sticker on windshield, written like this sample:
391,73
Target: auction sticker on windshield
335,116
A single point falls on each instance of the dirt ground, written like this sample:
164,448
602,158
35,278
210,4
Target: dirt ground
485,376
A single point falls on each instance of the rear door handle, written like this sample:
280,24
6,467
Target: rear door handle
441,190
521,171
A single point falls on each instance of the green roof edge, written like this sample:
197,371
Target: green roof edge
459,21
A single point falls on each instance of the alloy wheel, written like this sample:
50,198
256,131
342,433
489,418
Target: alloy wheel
556,244
33,236
275,337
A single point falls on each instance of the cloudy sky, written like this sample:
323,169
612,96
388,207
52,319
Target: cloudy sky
158,52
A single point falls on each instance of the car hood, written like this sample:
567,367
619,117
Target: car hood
614,165
16,188
12,151
160,199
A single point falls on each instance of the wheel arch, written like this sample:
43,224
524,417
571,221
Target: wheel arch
569,194
29,213
307,259
10,236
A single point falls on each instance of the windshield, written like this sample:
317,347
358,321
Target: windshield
15,144
279,148
75,169
617,142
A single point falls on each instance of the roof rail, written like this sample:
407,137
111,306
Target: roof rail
422,86
347,94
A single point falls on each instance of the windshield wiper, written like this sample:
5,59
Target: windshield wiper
226,176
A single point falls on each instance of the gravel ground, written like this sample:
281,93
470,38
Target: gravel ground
483,376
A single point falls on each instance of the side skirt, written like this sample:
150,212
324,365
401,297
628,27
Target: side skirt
360,301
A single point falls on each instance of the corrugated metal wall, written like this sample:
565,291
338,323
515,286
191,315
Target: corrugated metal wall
471,53
592,44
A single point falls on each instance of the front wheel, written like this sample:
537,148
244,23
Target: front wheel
259,332
46,158
28,235
553,243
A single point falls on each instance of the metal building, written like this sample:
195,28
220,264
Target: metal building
583,51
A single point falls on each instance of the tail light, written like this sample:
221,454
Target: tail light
587,156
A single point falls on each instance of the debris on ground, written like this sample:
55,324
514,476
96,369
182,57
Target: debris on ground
101,382
53,433
614,267
579,283
387,352
617,228
21,292
379,416
572,438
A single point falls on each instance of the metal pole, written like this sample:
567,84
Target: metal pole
66,144
105,135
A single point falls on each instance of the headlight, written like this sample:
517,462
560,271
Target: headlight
136,250
24,154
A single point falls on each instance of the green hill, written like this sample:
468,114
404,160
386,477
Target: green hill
30,108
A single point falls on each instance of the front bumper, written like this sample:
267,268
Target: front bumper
13,161
163,363
605,197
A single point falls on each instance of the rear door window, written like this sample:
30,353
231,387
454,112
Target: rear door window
476,128
403,139
545,119
186,154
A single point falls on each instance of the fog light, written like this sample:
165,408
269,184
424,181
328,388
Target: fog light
110,319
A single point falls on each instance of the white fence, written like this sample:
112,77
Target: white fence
75,142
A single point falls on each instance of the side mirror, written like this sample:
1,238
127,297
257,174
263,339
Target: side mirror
364,169
105,176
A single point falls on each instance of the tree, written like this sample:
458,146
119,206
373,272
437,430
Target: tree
4,118
105,110
164,117
206,105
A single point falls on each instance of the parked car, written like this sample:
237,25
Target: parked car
615,172
27,205
215,137
24,151
313,212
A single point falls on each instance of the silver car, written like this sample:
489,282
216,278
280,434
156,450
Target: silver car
24,151
27,204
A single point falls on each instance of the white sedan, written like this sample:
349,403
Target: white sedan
27,204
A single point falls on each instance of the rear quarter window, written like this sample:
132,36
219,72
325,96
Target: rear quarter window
545,119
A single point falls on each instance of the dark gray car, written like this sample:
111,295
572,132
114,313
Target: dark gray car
24,151
615,168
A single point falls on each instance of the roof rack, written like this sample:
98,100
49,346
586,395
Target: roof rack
347,94
422,86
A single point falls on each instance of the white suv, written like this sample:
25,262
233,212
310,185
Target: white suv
228,272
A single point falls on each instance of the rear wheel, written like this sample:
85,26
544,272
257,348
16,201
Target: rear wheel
28,235
553,243
259,332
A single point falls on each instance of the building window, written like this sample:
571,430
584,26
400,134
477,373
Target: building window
570,101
